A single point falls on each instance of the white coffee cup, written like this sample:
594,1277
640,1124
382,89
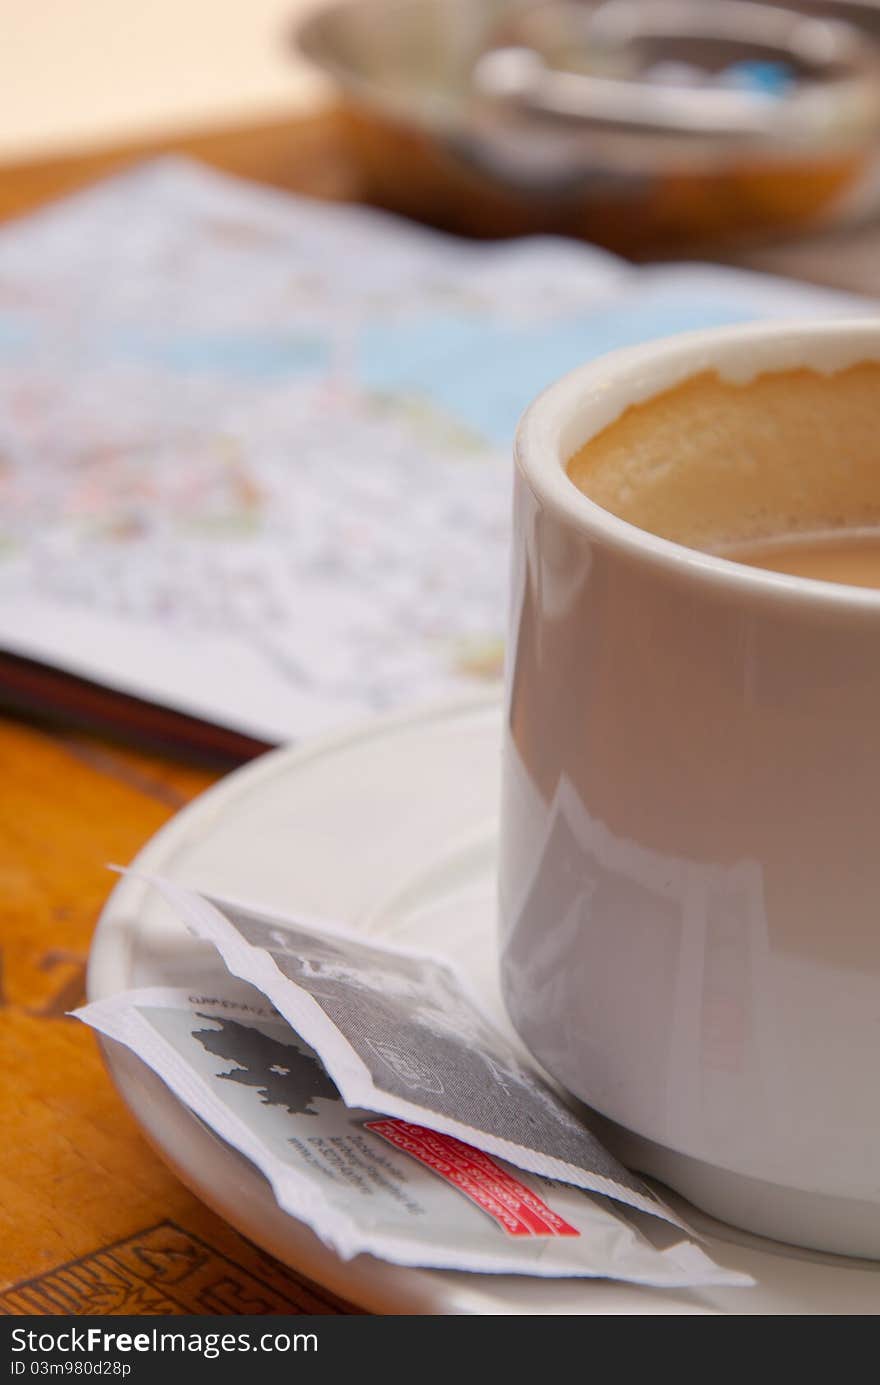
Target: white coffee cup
690,863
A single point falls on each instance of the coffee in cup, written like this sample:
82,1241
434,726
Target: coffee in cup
781,472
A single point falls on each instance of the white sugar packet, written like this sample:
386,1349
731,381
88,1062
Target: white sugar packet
400,1033
383,1186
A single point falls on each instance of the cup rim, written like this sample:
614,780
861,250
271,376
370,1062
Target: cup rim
602,389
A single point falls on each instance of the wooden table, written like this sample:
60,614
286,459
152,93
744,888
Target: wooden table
90,1218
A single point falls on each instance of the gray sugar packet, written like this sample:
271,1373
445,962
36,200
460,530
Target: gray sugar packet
400,1033
370,1184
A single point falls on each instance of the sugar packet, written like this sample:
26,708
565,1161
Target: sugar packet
381,1185
400,1033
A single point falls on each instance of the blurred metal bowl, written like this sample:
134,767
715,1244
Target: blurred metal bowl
636,123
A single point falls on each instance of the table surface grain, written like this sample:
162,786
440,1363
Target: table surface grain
91,1220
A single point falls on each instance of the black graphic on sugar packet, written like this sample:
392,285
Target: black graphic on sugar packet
284,1074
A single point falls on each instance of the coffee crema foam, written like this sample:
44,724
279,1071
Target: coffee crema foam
789,456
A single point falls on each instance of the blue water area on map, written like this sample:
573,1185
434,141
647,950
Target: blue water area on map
16,334
483,373
260,355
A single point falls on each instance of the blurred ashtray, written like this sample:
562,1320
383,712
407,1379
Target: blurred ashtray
632,122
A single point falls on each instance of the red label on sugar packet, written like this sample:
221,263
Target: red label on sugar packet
512,1205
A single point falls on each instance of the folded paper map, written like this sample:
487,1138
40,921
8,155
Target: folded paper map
255,450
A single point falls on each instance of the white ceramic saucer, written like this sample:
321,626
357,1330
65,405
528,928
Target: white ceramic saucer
392,828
